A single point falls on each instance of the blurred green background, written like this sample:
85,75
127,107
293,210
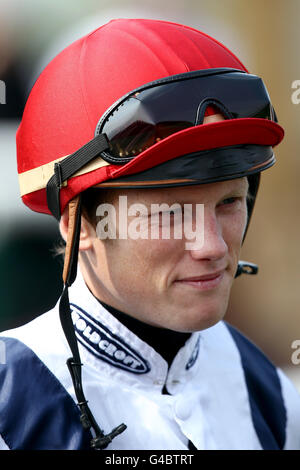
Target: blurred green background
266,37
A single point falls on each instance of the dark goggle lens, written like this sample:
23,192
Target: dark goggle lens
145,117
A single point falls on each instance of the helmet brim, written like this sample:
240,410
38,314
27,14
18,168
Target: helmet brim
215,135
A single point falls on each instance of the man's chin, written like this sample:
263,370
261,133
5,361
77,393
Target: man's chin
206,323
197,320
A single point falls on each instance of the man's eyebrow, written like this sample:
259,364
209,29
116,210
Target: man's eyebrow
168,203
236,184
239,186
237,190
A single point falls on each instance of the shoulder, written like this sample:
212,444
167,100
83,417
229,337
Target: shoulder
255,363
274,401
33,390
39,333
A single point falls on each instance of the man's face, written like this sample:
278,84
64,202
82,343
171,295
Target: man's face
163,282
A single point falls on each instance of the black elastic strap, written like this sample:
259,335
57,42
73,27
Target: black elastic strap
100,440
67,167
74,366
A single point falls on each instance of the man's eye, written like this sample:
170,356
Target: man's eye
229,200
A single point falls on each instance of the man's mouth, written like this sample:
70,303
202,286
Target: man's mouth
203,282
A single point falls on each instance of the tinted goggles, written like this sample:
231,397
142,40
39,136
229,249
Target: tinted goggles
164,107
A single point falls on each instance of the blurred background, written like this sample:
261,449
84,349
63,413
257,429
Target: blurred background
266,37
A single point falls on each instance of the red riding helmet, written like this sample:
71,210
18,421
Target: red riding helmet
87,78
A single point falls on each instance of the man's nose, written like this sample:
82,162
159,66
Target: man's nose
210,244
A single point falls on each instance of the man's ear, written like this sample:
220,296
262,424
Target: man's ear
87,232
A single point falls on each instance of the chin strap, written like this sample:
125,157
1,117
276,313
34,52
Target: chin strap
100,440
244,267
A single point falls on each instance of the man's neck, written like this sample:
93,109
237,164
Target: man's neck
166,342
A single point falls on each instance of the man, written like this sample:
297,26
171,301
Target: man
140,127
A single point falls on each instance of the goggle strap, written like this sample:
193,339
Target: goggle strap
67,167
